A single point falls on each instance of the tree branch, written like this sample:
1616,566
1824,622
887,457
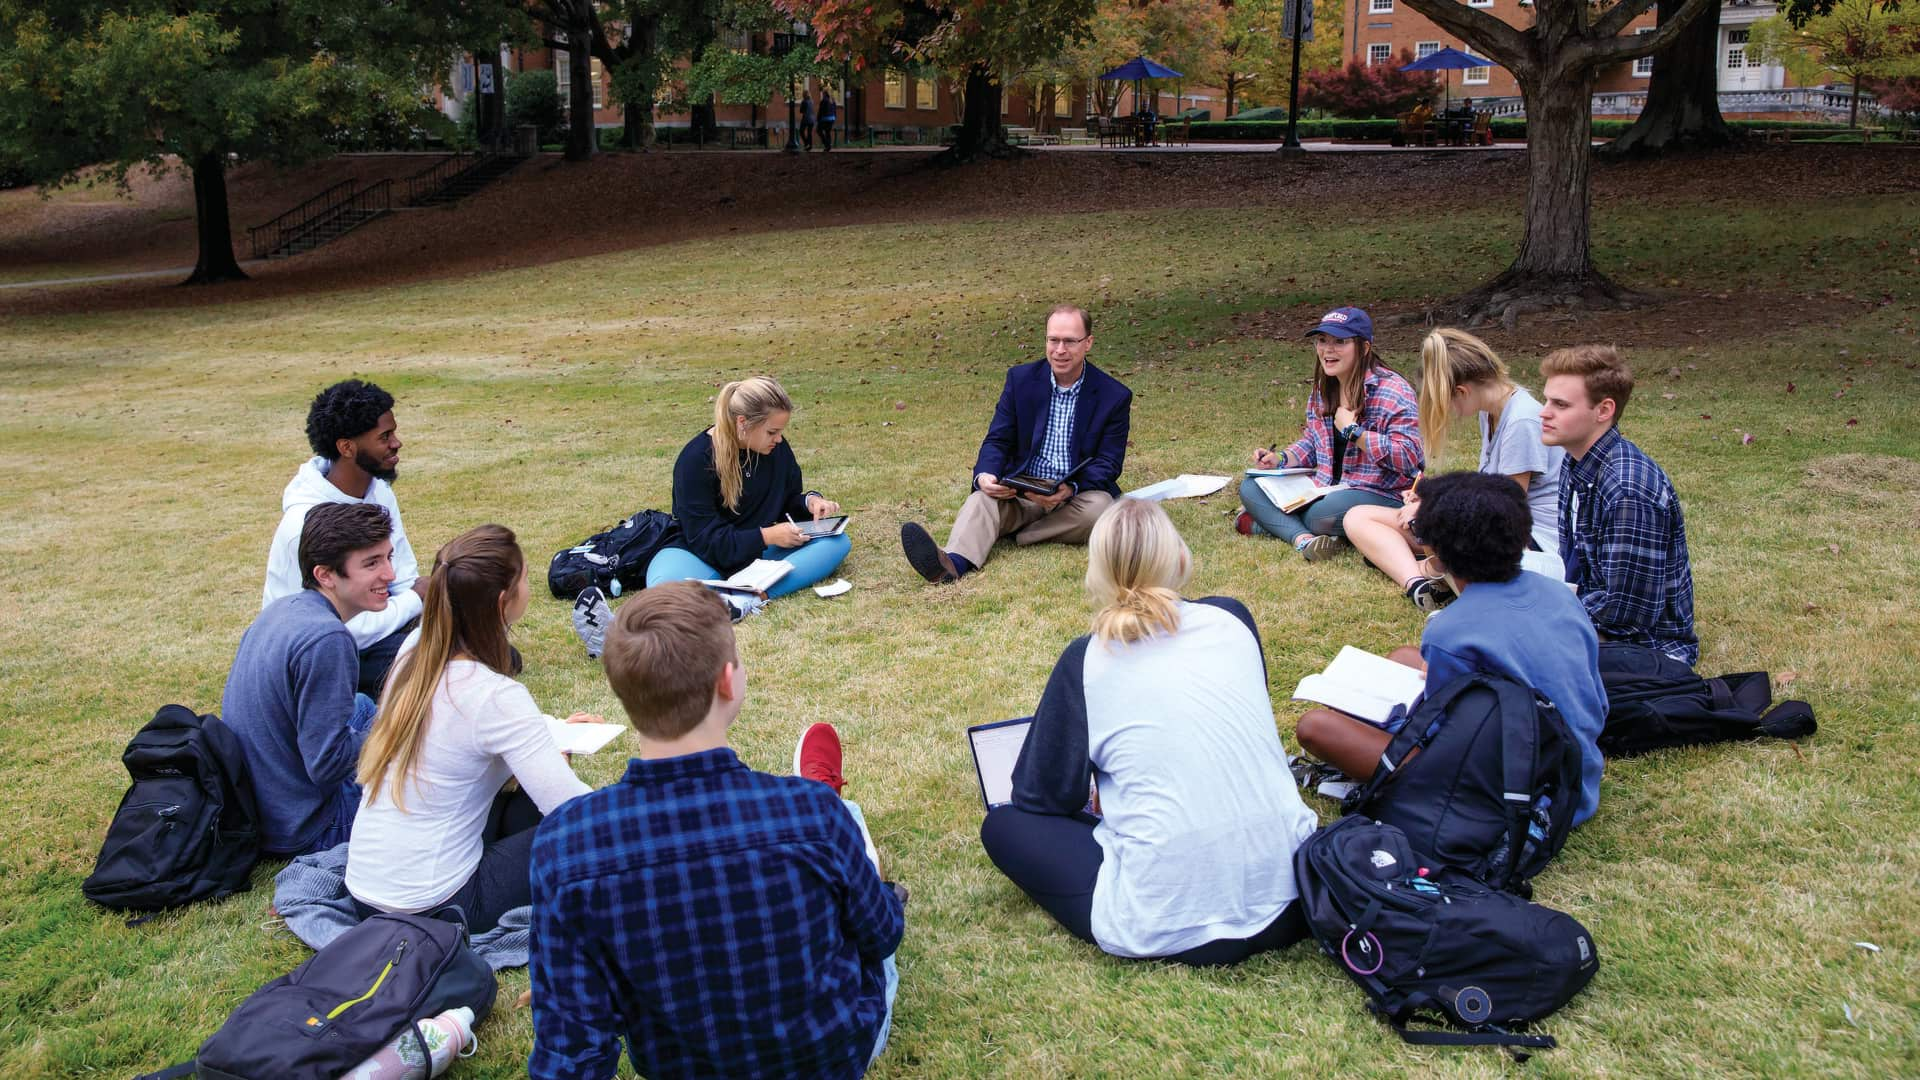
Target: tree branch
1613,50
1499,41
1618,16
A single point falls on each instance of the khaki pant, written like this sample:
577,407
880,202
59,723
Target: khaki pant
984,519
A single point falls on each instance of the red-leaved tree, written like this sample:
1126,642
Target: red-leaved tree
1361,90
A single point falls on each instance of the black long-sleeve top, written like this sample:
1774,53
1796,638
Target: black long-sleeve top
770,490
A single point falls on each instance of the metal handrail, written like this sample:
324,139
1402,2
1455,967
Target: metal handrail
300,218
435,176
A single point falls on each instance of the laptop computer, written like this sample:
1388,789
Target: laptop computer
996,749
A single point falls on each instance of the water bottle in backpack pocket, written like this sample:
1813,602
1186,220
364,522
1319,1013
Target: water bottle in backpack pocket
1421,940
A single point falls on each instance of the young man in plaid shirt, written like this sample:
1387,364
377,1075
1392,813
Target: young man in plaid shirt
1622,535
724,922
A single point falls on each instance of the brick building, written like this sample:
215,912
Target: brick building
1378,31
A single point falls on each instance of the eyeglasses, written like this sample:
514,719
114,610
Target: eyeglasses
1064,342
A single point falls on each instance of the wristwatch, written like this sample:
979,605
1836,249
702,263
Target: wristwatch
1351,431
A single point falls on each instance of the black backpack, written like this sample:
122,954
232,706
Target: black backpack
1655,702
347,1001
619,554
1421,939
1492,792
188,828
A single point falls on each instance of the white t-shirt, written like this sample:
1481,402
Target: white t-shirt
1201,815
483,728
1515,447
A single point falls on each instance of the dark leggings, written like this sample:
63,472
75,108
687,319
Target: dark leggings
1055,859
500,883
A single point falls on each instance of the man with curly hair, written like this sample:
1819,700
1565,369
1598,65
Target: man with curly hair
356,458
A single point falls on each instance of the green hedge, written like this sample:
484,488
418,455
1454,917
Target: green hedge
1380,130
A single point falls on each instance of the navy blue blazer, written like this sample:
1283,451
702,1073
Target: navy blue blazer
1101,419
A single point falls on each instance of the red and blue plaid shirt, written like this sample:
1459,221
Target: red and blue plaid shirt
1386,458
726,922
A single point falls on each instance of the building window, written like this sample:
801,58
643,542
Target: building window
1379,54
1476,76
599,84
896,94
1736,49
1379,7
563,76
1643,66
1424,49
1063,101
926,93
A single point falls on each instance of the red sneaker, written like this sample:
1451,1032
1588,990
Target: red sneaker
817,756
1243,524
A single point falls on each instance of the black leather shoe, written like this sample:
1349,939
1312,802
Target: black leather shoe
926,557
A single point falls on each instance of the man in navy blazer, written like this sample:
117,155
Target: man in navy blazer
1060,421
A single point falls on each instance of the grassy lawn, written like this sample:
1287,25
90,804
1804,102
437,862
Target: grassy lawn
144,454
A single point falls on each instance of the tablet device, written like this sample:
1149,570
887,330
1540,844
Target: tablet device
996,749
826,526
1032,485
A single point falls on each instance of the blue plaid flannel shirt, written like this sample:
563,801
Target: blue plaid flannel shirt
1056,451
726,922
1624,541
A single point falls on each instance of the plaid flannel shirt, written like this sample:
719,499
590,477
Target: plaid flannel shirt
1056,451
726,922
1624,541
1387,457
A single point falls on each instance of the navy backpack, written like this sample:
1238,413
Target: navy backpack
1494,787
620,554
1423,940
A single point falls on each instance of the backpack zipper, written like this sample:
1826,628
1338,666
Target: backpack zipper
384,972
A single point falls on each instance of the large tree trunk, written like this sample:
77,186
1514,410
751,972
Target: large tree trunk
1554,267
490,119
1683,94
582,139
980,133
211,222
636,132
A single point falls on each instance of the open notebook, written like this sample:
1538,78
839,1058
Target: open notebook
1361,684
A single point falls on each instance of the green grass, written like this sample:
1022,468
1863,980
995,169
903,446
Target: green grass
144,453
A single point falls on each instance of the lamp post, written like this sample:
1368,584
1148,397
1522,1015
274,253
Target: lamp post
793,120
1298,24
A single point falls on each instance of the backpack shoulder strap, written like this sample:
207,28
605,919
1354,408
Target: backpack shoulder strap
1412,735
1519,745
174,1072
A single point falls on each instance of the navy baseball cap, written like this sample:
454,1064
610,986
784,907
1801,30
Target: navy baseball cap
1345,322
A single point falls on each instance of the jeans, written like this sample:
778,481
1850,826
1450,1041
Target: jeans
889,965
1321,517
347,800
1055,860
811,561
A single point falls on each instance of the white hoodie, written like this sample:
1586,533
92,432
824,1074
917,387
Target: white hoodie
308,489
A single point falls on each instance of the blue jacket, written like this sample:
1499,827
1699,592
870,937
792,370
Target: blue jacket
1101,419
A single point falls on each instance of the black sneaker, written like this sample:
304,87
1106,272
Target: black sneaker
591,617
1429,594
925,556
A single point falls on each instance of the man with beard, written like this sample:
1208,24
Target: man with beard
357,455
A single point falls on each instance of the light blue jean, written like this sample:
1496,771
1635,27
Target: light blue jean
892,969
1321,517
347,804
811,561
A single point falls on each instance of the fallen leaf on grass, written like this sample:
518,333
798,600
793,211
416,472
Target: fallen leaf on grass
1833,549
1853,421
1669,397
1786,678
1867,945
1706,416
1847,1008
1746,437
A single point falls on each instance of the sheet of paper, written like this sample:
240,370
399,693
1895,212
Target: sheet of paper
1184,486
582,738
839,587
995,752
1280,472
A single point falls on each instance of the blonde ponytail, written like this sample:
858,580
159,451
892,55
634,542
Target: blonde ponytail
460,614
1136,564
1451,358
753,400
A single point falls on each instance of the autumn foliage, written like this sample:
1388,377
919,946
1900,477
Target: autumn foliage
1359,91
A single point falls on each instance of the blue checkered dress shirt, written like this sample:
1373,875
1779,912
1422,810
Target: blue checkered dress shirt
725,922
1624,541
1056,451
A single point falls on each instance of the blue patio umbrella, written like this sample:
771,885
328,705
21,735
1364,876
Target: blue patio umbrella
1140,68
1448,59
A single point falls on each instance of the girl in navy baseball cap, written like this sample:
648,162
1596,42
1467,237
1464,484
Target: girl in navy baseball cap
1362,439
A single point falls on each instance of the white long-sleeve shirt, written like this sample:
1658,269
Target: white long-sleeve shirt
308,489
